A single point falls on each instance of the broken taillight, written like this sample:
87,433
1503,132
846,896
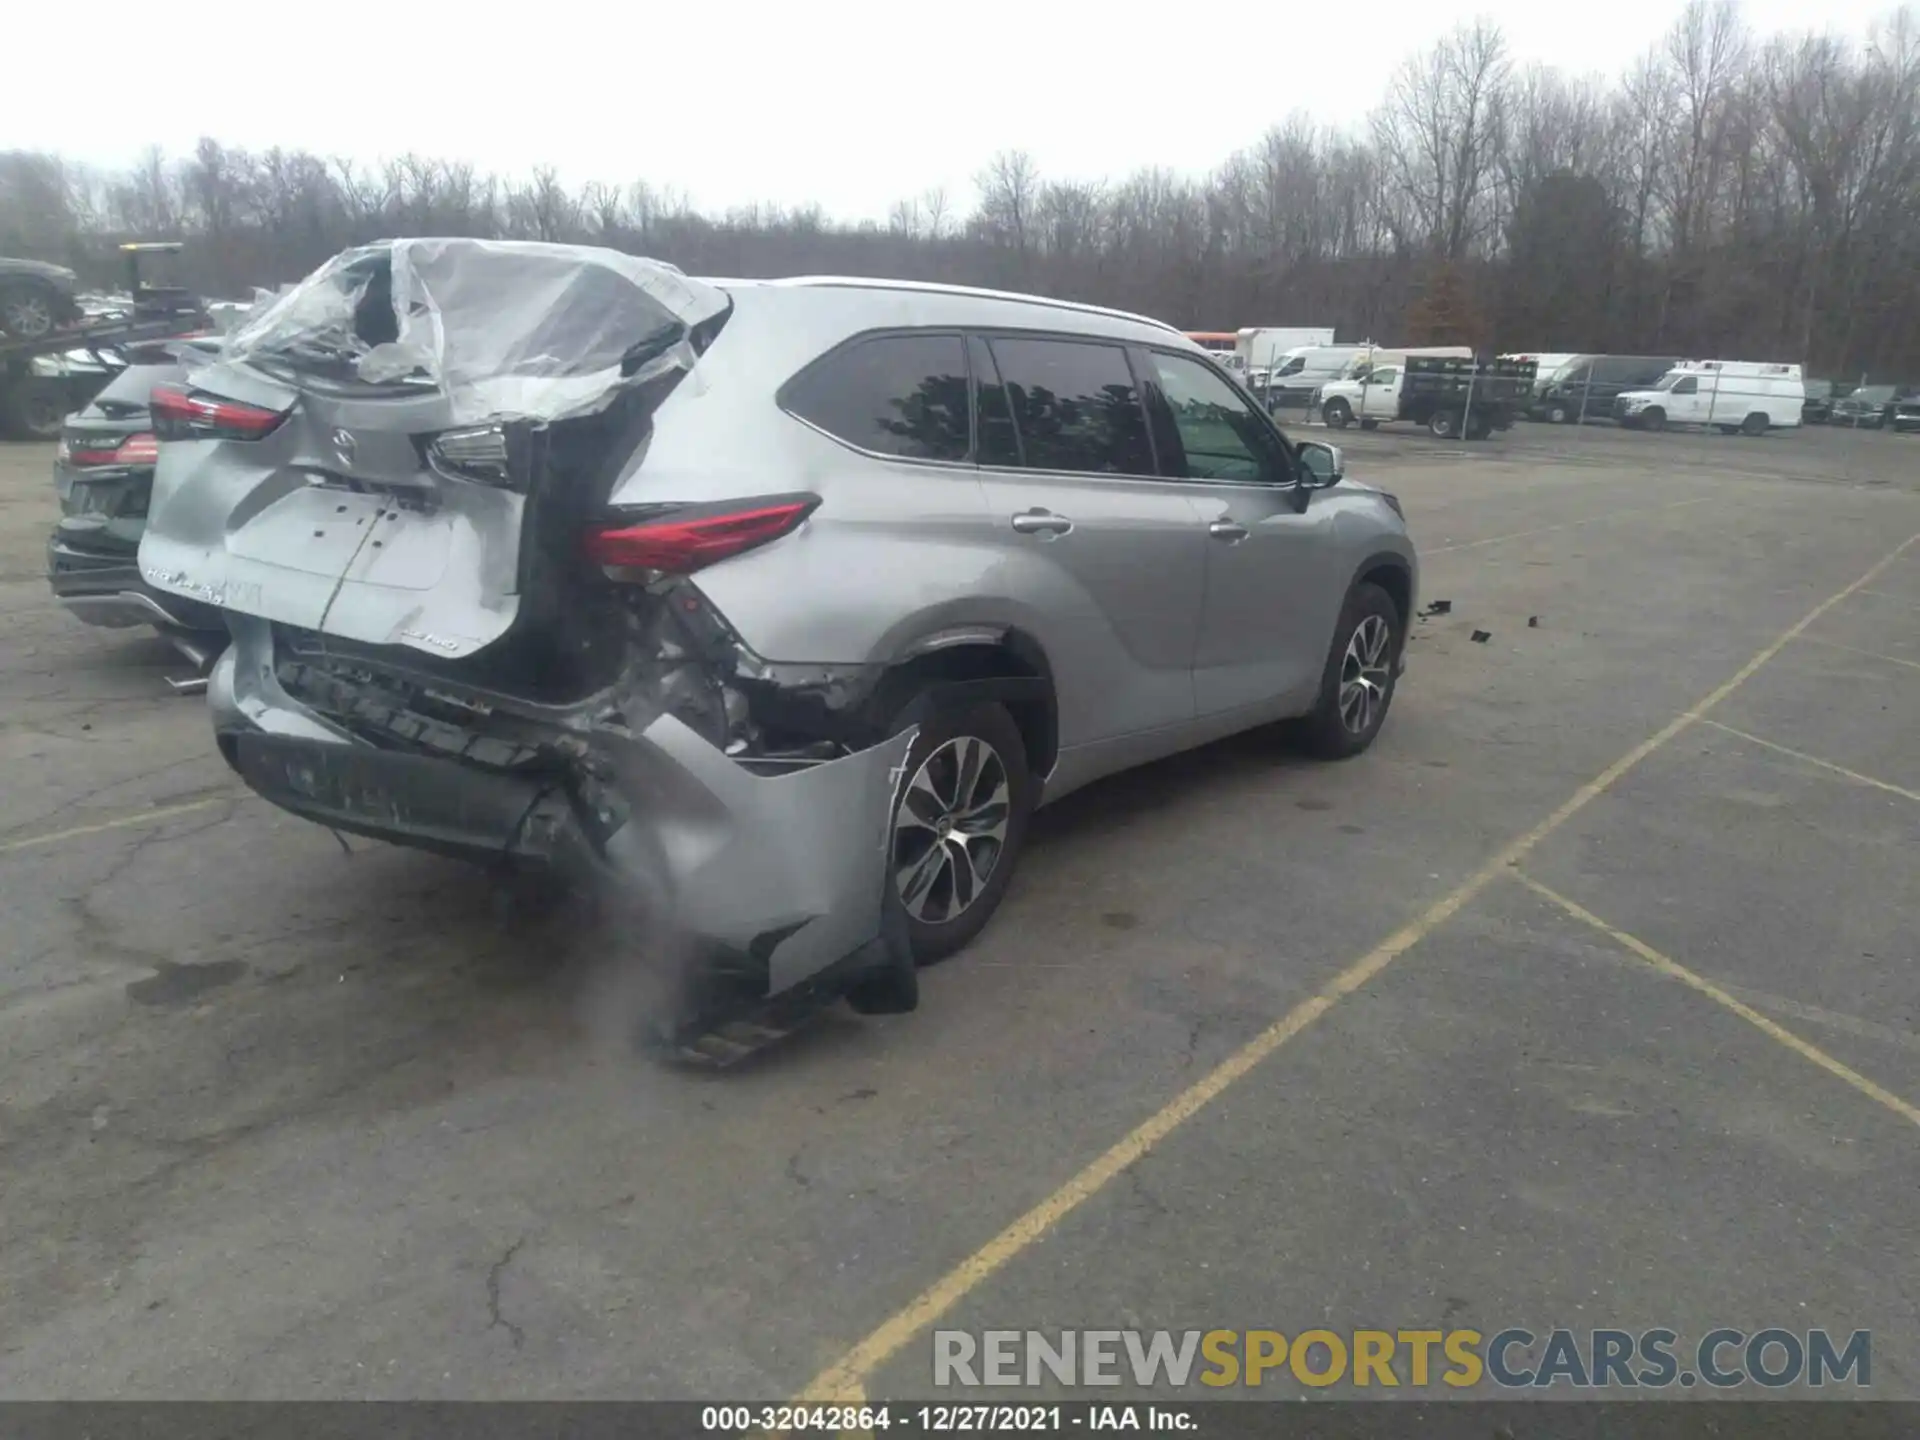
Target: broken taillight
194,415
134,452
679,539
138,450
478,453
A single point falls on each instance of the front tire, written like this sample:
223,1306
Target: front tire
1653,419
1558,415
1356,688
958,827
1337,413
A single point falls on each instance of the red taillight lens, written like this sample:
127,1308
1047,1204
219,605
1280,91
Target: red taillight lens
81,456
138,450
190,415
677,540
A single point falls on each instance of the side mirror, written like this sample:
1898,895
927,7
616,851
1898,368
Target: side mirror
1323,463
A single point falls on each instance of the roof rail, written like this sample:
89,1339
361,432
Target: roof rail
855,282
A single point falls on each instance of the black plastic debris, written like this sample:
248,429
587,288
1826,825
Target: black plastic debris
1533,622
1438,607
1480,637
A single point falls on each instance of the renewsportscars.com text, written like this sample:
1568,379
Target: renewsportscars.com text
1385,1359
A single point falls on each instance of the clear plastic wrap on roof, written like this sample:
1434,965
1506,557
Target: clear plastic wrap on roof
503,328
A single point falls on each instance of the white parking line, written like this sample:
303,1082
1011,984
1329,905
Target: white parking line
1856,650
1854,775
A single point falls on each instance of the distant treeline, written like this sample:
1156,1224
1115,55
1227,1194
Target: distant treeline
1731,195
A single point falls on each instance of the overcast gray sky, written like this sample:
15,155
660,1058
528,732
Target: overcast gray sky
844,102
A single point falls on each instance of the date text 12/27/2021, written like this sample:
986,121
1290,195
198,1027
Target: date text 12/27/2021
940,1419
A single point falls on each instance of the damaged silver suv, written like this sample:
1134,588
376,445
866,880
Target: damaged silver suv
773,608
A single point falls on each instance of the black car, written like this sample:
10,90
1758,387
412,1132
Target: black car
1868,408
36,298
1817,408
1585,386
103,471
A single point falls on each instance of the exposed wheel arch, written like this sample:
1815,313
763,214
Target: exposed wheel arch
964,664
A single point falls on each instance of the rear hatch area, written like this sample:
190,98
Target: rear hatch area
398,454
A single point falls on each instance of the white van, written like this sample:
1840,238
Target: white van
1734,396
1300,371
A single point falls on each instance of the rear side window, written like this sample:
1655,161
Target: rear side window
1075,406
902,395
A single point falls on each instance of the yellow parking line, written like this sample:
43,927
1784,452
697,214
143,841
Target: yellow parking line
1674,970
145,817
1569,525
1854,775
1856,650
844,1380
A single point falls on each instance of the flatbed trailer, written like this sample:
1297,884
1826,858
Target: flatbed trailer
1454,397
36,397
34,400
1468,398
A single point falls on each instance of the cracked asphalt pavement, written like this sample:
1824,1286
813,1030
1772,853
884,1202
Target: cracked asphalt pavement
283,1118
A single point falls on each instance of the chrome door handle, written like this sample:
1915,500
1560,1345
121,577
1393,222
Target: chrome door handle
1041,522
1227,530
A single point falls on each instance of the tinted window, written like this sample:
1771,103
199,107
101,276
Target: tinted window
897,394
1076,406
1220,436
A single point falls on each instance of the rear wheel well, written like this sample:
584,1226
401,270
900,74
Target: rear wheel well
1015,657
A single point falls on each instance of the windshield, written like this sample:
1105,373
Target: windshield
1873,394
1671,379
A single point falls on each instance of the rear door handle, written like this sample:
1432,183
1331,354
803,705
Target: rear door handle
1228,530
1041,522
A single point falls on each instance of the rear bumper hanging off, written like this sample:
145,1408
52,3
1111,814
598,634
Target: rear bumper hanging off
779,878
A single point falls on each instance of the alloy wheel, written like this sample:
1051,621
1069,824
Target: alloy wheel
27,316
950,829
1364,675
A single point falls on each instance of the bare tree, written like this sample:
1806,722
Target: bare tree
1439,134
1009,189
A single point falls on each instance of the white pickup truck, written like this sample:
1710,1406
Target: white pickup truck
1448,392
